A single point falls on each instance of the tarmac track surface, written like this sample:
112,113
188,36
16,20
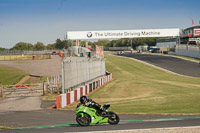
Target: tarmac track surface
106,127
176,65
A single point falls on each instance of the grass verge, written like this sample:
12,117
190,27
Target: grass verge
2,127
50,97
140,88
10,76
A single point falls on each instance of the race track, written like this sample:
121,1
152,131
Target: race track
176,65
147,124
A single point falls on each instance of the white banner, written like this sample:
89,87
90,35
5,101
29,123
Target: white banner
78,35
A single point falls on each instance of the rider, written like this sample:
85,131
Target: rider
91,104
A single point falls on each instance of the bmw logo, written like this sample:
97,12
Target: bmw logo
89,34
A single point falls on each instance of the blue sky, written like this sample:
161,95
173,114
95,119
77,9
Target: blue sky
46,20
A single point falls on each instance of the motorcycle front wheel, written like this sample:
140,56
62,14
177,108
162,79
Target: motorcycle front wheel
113,119
83,121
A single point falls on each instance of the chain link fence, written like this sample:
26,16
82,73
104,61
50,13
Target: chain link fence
23,57
25,52
8,55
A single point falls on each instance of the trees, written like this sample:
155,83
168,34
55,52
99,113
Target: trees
29,46
62,44
102,43
126,42
22,46
59,44
2,49
39,46
51,46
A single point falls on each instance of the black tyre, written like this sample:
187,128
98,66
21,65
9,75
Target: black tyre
113,119
83,121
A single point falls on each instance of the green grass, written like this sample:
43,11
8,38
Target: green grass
10,76
50,97
4,128
139,88
27,81
42,79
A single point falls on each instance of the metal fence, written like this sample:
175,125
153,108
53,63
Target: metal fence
188,50
79,70
71,51
117,48
24,52
23,57
54,83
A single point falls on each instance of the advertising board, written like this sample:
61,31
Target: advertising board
115,34
197,32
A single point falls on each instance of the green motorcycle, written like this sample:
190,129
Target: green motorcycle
86,116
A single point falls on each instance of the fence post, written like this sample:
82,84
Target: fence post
63,76
45,88
1,90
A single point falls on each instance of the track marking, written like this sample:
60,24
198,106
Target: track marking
122,121
133,130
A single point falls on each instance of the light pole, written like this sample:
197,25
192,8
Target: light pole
131,44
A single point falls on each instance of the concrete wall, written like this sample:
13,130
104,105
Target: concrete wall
79,70
72,96
165,45
188,50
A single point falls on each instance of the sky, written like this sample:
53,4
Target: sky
47,20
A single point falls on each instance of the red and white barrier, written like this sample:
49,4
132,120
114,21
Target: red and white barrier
66,99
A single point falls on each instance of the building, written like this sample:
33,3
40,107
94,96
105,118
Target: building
190,35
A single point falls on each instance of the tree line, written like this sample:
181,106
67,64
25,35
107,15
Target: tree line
64,44
59,44
126,42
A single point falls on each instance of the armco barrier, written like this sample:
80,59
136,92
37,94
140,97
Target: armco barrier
66,99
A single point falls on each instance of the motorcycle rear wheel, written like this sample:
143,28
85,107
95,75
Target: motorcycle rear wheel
113,119
83,121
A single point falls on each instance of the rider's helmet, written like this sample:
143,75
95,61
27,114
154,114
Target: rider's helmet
83,99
